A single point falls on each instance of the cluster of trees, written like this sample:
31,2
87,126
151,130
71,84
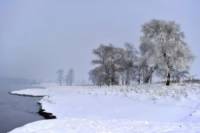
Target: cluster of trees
162,51
114,65
68,79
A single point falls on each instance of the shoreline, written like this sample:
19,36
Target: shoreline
42,112
45,114
89,108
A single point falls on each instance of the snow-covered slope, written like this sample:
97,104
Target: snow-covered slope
138,109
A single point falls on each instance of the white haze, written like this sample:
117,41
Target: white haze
37,37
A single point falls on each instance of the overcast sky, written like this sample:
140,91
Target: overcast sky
37,37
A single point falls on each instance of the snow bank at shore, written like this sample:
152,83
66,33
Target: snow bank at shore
139,108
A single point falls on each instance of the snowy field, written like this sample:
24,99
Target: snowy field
118,109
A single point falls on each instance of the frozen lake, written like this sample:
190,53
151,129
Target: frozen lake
16,111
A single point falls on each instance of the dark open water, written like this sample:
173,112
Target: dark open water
16,111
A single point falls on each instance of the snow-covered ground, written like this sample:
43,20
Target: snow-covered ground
117,109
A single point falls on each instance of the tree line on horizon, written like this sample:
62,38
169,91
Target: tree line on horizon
68,79
162,52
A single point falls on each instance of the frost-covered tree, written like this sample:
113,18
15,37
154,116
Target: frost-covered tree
144,71
146,68
107,65
113,65
164,48
129,64
178,75
98,76
69,78
60,77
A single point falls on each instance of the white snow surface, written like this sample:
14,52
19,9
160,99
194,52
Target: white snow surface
118,109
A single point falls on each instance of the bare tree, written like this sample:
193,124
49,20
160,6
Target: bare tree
70,77
60,77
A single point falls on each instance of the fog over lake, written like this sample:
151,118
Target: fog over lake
38,37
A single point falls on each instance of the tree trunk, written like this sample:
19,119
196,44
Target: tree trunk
148,77
168,79
127,81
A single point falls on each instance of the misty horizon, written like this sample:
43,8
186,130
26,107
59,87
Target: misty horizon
39,37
